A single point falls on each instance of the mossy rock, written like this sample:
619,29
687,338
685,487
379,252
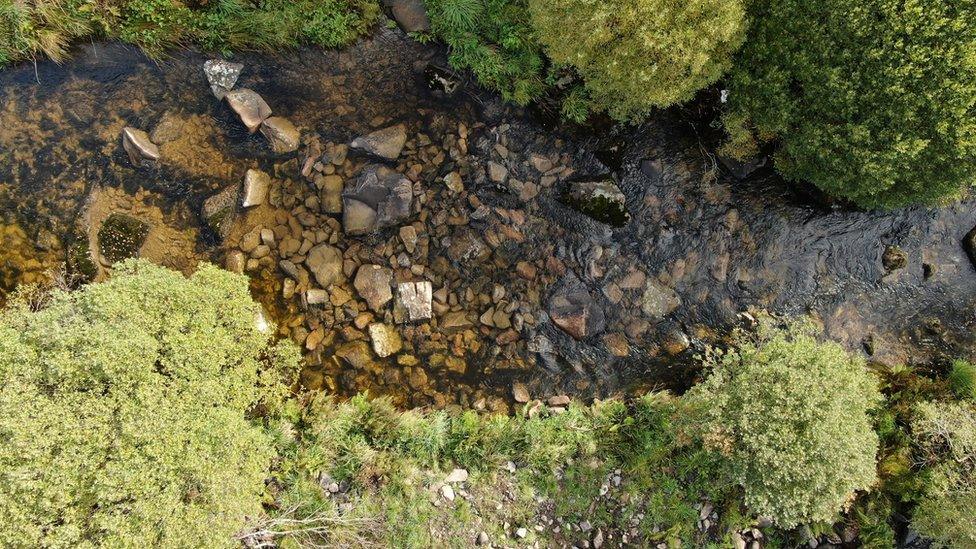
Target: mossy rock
80,262
121,236
599,199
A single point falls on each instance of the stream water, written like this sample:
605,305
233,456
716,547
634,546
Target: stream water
702,243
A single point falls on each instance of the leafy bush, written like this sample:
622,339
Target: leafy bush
945,434
790,416
124,412
492,38
870,100
637,54
962,379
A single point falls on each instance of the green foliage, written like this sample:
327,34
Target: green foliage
638,54
962,379
32,29
492,38
790,416
871,100
945,435
124,412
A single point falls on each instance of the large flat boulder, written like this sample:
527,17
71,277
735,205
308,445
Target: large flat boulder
386,143
374,284
325,262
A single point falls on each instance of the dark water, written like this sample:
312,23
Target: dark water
724,246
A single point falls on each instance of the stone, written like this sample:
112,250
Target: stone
455,320
457,475
540,163
447,492
120,237
355,354
600,199
256,185
574,310
379,198
411,15
141,150
521,533
408,235
416,299
559,400
969,244
373,283
496,172
234,262
281,134
325,262
520,392
658,300
316,296
894,258
454,182
386,340
331,194
386,143
466,247
741,169
220,210
483,538
222,76
249,106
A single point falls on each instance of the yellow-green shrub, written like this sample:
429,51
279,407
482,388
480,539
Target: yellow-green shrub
638,54
790,416
123,412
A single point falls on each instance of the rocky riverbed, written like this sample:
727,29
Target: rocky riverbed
445,248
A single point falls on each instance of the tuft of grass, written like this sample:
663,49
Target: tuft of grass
962,379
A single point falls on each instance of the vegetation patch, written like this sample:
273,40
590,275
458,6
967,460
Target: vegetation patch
121,236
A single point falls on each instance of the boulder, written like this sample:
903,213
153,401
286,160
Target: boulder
256,185
415,299
599,199
969,244
373,282
142,151
120,237
355,354
325,262
220,210
658,300
411,15
379,198
281,134
574,310
222,75
497,172
330,197
249,106
894,258
386,340
386,143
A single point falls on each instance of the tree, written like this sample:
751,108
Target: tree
789,414
124,412
638,54
873,101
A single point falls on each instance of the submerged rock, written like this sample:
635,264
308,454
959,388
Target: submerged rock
249,106
142,151
281,134
415,298
373,282
894,258
969,244
256,185
120,237
220,209
600,199
379,198
658,300
325,262
222,76
386,143
411,15
574,310
441,80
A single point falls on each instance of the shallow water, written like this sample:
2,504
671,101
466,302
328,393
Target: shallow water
724,246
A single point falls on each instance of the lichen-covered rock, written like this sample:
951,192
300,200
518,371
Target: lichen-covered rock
379,198
141,150
220,210
281,134
249,106
386,143
415,298
386,340
658,300
222,76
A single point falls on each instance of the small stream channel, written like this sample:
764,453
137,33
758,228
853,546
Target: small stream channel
706,244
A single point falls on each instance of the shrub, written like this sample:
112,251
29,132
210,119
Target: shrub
790,416
962,379
492,38
637,54
945,434
123,412
870,100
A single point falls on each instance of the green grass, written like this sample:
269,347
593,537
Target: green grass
962,379
47,28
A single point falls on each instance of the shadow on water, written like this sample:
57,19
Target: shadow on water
723,246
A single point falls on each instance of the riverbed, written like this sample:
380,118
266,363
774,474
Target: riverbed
700,247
